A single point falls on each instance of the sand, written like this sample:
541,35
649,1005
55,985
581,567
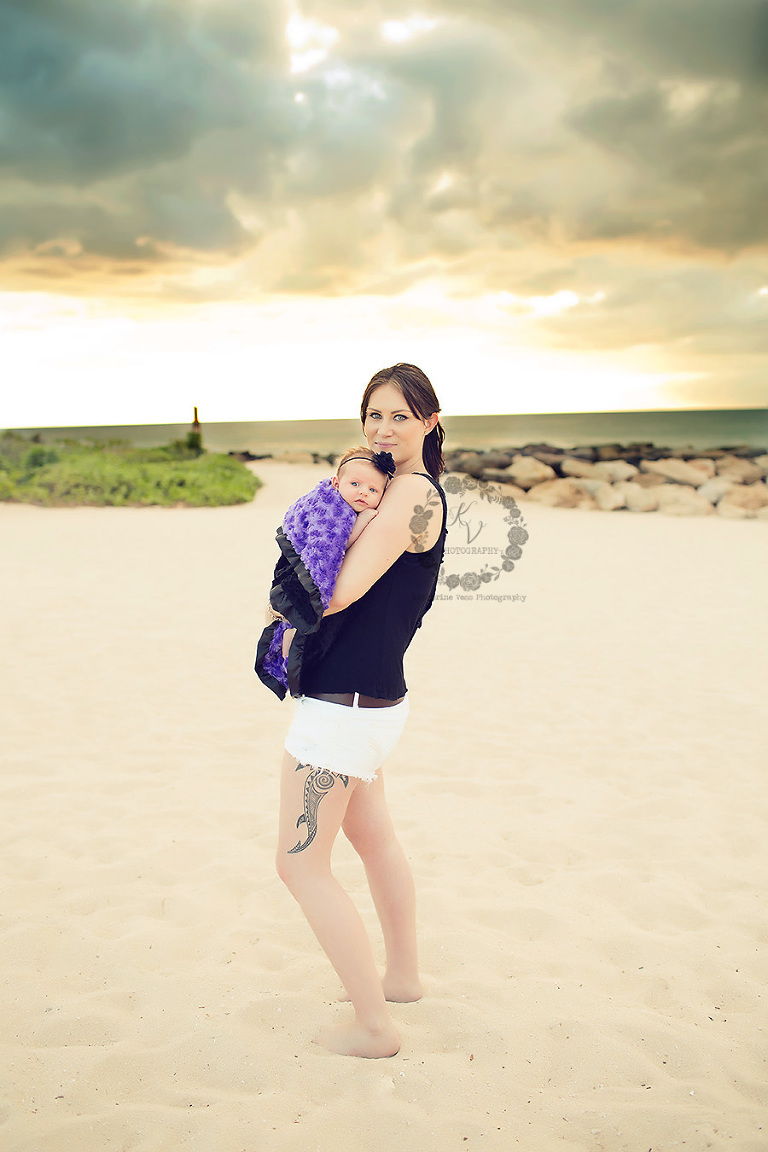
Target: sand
581,791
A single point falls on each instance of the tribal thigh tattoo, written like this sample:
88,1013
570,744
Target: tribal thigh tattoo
318,782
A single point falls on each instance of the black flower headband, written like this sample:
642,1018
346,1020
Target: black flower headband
381,460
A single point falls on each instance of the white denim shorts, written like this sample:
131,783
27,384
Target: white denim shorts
348,741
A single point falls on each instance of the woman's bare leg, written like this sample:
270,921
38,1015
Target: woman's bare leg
368,827
312,807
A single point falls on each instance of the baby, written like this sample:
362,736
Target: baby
362,485
315,534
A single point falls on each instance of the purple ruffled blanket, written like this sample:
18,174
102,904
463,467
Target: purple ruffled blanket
317,526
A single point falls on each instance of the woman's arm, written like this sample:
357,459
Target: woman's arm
383,541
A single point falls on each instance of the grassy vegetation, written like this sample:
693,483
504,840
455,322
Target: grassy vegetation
69,473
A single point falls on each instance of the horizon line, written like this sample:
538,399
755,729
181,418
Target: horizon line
355,419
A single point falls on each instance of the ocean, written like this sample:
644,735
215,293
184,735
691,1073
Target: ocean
705,428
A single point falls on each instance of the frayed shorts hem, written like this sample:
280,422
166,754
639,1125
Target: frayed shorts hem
346,741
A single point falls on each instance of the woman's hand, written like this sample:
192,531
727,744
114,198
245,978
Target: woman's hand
384,540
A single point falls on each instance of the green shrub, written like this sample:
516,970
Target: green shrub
13,450
38,456
7,487
118,475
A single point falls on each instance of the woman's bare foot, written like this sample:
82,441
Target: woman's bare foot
396,991
402,991
354,1040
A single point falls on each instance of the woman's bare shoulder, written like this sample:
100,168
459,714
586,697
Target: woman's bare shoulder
404,493
410,484
412,499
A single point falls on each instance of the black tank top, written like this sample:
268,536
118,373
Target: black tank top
361,649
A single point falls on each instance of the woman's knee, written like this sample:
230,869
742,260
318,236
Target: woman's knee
370,835
291,869
300,871
284,867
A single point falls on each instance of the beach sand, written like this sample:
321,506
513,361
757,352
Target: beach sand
580,790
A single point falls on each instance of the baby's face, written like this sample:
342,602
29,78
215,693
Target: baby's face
360,484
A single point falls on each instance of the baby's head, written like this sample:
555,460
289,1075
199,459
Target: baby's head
361,477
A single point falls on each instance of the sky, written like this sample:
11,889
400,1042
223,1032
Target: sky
253,205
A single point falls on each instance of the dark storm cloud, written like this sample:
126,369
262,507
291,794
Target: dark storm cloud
111,101
172,129
701,175
704,38
578,121
153,116
685,108
665,105
92,90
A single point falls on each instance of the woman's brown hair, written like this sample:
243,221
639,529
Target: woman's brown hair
420,398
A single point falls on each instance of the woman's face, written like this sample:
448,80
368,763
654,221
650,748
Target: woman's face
391,426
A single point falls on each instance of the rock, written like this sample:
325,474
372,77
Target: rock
738,470
581,452
573,466
589,483
634,453
525,471
761,462
743,501
648,480
673,469
246,457
650,454
551,457
470,462
609,497
637,497
453,458
714,489
682,500
565,493
614,470
679,453
606,496
608,451
497,459
508,489
742,451
705,466
496,475
296,458
533,449
735,511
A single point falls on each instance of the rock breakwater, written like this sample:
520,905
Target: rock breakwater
726,481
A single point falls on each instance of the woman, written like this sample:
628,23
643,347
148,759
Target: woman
352,710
